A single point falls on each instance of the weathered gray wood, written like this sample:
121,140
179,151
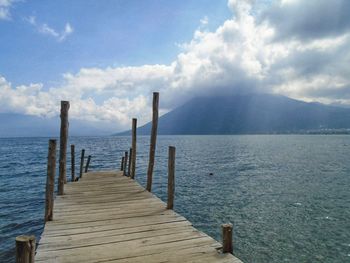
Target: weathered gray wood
152,147
62,179
104,215
82,163
227,246
72,154
125,163
87,164
133,139
25,249
122,164
47,239
129,165
50,180
171,177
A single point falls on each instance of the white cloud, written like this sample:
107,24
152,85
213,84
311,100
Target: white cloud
204,21
242,55
68,29
45,29
5,6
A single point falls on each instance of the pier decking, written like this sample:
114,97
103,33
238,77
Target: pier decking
108,217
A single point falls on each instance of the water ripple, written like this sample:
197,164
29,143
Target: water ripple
286,195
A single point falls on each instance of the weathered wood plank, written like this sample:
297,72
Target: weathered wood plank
107,217
123,249
45,239
118,224
95,240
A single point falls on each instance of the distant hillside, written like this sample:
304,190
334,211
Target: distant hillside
249,114
18,125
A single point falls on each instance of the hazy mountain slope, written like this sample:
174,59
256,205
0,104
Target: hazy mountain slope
246,114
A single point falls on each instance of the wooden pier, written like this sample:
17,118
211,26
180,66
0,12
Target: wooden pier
108,217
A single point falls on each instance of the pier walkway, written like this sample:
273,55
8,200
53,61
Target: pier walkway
108,217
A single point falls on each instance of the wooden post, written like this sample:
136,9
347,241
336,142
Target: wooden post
227,238
171,177
133,159
87,164
125,162
25,249
152,147
62,179
129,166
81,163
72,154
122,164
50,180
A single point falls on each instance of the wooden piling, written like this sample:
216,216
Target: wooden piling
122,164
87,164
50,180
72,153
133,139
227,246
125,162
152,148
171,177
25,249
129,165
81,163
62,179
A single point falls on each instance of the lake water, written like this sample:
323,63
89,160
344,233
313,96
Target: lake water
287,195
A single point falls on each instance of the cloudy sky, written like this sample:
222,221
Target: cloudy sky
107,57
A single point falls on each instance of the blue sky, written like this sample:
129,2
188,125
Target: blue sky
105,33
107,57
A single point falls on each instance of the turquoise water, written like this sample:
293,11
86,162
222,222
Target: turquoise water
287,195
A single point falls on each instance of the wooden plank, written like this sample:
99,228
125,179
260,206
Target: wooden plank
117,250
130,207
193,254
118,224
54,225
120,205
91,206
95,240
107,217
75,219
113,232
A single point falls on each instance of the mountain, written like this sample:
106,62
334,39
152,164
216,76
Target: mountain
250,114
20,125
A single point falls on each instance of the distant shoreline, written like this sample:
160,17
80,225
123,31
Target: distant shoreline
236,134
